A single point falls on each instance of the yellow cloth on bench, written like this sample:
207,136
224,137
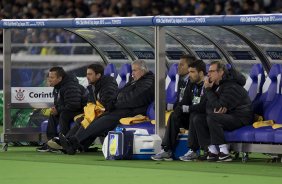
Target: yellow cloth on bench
276,126
259,124
92,111
167,114
133,120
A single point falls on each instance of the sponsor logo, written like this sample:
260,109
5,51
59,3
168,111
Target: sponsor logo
40,95
20,95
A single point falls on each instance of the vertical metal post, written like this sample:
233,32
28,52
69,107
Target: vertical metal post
160,67
6,82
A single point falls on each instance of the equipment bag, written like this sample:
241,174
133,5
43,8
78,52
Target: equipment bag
120,144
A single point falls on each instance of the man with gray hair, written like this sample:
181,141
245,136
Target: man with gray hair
133,99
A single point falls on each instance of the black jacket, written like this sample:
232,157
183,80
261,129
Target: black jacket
191,90
69,95
187,94
136,96
231,94
105,90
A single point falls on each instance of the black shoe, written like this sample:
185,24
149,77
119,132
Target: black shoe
224,157
67,146
94,149
44,148
203,157
212,157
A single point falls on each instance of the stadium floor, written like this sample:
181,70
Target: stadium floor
26,166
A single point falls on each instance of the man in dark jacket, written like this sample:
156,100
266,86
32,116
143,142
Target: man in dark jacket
69,99
102,88
227,107
132,99
191,95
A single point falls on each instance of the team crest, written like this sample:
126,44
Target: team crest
20,95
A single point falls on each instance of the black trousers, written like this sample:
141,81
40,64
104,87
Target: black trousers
63,119
197,127
175,122
85,144
101,125
209,129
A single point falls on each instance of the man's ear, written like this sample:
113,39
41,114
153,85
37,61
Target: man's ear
221,72
60,78
99,75
201,73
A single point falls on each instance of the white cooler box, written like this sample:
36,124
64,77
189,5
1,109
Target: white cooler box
144,146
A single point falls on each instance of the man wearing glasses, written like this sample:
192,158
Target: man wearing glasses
227,107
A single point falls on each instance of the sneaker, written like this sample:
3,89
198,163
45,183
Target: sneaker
163,155
189,156
212,157
44,148
55,143
224,157
66,145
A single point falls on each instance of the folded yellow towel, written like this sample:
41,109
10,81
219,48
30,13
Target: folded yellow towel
92,111
276,126
259,124
133,120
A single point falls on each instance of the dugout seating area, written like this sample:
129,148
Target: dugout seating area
267,102
266,96
265,93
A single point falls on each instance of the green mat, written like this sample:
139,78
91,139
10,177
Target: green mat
24,165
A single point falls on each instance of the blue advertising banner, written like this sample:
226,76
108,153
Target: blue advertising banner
188,20
223,20
77,23
37,23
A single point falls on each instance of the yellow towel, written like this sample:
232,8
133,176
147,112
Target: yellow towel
259,124
153,122
133,120
276,126
167,114
92,111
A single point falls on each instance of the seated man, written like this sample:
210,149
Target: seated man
102,89
131,100
69,99
227,107
192,96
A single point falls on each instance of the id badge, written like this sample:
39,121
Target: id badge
196,100
182,90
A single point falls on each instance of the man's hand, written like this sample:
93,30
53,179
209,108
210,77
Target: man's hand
207,83
221,110
54,111
169,107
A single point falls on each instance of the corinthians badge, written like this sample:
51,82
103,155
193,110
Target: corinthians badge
20,95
